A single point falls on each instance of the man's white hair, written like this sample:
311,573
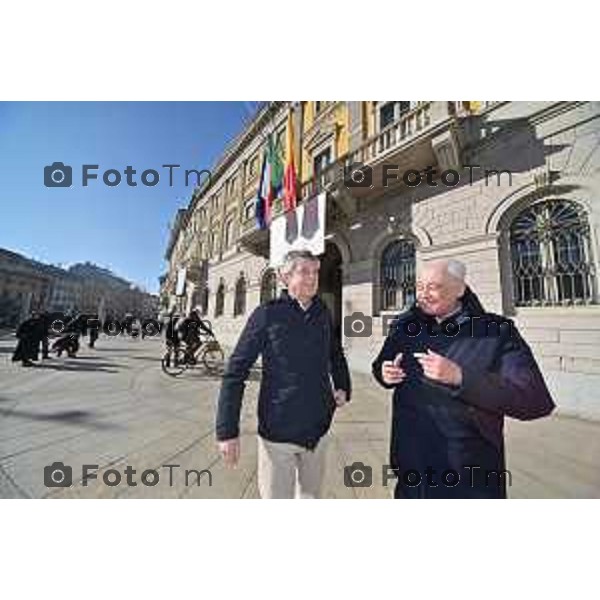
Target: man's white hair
456,269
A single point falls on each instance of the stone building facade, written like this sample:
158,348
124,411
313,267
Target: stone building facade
27,285
524,217
24,285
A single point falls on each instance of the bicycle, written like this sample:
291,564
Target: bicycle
177,359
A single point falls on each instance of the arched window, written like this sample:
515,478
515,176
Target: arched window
220,300
552,263
239,303
228,234
398,275
268,286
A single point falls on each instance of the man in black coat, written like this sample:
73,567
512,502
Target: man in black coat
456,371
30,333
49,319
304,378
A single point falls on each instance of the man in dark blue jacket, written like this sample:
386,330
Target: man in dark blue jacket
456,371
301,355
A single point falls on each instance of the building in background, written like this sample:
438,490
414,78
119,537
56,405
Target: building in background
66,290
524,218
103,291
27,285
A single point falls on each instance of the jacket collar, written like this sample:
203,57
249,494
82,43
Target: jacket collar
286,297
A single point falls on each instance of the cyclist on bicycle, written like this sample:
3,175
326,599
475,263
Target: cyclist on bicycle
189,332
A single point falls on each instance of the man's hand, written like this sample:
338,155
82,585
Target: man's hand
340,397
391,372
439,368
230,451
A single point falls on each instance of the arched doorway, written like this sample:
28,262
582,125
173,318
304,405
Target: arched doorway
268,286
330,284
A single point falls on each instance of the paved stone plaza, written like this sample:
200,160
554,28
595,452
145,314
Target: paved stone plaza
113,407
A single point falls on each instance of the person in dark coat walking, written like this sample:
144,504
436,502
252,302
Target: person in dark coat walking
49,319
92,327
171,330
30,333
304,378
456,371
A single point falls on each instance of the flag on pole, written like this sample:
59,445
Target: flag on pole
289,177
276,167
262,195
271,183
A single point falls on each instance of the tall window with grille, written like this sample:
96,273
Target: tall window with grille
220,300
268,286
239,301
551,255
398,275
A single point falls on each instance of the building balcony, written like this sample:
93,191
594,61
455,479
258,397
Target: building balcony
420,138
253,239
424,136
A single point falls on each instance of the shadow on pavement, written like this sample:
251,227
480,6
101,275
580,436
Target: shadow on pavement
100,349
96,367
73,417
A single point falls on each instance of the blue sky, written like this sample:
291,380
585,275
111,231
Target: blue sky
122,228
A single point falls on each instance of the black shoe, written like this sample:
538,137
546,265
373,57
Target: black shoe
28,363
46,357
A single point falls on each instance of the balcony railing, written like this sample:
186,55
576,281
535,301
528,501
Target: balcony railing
406,127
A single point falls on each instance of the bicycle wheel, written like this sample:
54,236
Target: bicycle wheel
213,357
174,362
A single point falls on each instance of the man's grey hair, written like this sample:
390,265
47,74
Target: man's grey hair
454,268
457,269
292,258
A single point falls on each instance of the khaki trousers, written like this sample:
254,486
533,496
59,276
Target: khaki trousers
290,471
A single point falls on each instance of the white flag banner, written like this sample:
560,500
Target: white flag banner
180,286
300,229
